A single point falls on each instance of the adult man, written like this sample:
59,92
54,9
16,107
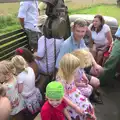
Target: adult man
76,41
110,67
28,17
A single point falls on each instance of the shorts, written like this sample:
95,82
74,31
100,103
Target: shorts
33,37
88,76
87,69
87,72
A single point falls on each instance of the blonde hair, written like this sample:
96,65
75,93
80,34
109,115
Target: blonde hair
6,68
19,63
67,66
84,56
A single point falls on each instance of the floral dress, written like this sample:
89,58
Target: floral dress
87,90
16,99
74,94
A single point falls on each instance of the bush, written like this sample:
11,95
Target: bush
8,20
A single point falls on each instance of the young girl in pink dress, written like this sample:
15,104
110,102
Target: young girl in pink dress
81,81
79,106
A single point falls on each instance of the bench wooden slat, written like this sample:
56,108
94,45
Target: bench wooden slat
5,47
12,38
11,34
12,46
10,54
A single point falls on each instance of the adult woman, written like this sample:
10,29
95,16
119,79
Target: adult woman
101,37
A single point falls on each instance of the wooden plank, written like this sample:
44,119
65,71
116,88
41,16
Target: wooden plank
10,34
12,38
10,54
12,44
12,47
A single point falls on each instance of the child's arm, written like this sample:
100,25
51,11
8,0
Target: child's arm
80,84
20,87
85,78
67,115
74,106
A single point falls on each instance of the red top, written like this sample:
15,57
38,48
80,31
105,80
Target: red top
49,112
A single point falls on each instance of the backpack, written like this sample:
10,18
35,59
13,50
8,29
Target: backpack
57,24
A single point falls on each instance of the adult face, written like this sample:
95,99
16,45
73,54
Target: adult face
79,32
96,22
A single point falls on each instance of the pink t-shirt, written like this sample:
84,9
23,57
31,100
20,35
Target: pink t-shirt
49,112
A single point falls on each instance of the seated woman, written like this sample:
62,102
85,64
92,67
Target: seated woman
101,36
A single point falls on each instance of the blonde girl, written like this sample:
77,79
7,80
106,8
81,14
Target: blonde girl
78,104
26,84
9,82
81,81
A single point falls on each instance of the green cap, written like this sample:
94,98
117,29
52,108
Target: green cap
54,90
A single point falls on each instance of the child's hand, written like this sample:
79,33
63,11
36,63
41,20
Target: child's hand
82,85
79,111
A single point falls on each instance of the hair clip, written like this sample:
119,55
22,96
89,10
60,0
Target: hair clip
19,50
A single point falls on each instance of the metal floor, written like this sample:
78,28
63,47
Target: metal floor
110,110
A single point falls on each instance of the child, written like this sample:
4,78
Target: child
55,107
29,58
5,106
79,106
8,79
26,84
81,81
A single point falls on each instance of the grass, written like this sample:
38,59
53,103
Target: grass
107,10
9,21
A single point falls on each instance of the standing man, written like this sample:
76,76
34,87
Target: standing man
28,17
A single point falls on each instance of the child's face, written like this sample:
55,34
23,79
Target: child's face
55,103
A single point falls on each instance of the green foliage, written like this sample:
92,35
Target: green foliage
106,10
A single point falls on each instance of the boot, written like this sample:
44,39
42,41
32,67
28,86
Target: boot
96,97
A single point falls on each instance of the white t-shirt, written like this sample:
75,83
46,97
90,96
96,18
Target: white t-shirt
29,11
27,77
100,37
50,53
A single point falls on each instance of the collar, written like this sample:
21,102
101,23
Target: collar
73,40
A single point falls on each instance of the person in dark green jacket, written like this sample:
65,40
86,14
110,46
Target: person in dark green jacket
110,66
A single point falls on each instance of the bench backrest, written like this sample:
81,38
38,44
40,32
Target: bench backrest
10,42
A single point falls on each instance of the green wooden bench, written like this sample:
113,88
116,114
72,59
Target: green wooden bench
10,41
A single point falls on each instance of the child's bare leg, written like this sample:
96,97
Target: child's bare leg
99,57
94,51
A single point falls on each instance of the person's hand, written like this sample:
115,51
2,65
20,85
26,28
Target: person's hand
79,111
83,84
96,69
